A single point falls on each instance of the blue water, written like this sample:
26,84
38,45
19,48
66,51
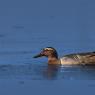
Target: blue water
27,26
46,79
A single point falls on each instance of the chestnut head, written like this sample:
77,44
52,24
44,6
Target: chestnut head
47,52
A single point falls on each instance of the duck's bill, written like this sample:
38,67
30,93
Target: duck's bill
38,55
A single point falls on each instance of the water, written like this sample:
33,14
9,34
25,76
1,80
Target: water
28,26
46,79
46,72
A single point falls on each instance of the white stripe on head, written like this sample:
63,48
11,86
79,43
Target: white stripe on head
48,49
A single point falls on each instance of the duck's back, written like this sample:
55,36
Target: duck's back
79,58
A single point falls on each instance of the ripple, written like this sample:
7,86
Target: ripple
18,27
15,52
2,35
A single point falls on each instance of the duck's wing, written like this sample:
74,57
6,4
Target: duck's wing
88,57
89,54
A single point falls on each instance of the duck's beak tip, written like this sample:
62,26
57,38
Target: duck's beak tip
36,56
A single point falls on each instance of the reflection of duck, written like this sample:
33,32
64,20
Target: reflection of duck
71,59
51,71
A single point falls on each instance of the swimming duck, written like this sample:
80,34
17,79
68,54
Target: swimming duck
71,59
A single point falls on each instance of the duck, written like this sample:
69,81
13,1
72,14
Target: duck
86,58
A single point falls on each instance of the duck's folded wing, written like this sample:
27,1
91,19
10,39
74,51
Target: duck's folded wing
88,54
88,57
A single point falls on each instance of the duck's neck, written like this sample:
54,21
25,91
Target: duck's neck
53,60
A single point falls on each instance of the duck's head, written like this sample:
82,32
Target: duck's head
47,52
